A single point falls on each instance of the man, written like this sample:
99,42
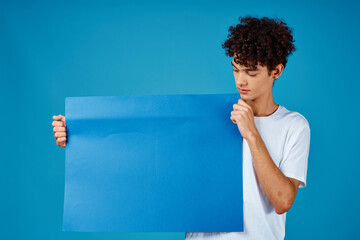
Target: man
276,141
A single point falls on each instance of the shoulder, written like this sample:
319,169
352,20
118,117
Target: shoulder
297,130
295,120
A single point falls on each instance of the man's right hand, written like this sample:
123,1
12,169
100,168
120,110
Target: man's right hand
59,130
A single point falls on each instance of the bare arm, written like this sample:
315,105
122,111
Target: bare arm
279,189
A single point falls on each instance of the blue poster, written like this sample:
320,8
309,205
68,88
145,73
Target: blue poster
153,163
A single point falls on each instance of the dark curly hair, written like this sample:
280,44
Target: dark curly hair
267,41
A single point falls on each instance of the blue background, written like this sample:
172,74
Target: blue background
49,51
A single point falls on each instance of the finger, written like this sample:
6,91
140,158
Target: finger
59,118
233,119
59,129
238,107
61,144
243,103
60,134
238,114
61,140
237,110
58,124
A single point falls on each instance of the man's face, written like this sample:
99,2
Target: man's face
256,81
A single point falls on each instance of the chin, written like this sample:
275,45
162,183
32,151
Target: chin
245,97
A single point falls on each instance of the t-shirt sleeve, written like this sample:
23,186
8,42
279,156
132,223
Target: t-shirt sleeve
295,161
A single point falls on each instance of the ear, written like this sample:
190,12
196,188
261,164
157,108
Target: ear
276,73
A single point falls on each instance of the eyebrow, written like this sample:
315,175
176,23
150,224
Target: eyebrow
247,69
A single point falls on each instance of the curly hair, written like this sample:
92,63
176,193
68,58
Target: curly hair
267,41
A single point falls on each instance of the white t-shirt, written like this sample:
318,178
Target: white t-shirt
286,135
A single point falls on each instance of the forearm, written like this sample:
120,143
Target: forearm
276,186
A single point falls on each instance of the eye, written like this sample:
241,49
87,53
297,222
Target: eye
235,70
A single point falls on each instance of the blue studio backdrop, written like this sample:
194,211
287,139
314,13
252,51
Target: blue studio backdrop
50,50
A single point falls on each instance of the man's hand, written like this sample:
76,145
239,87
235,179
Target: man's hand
243,116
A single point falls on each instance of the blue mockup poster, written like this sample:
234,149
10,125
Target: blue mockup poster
153,163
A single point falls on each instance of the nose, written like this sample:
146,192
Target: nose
240,80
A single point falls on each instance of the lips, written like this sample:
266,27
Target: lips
243,90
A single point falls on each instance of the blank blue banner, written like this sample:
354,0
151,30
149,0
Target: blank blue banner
153,163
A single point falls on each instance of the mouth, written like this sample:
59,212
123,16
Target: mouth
243,90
